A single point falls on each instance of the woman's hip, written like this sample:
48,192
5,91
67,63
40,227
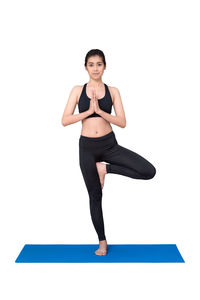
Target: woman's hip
97,144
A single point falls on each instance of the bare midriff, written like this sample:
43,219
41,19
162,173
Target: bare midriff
95,127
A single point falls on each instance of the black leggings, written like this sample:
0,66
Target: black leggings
120,161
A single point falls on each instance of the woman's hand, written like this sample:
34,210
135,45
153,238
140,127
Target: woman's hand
95,102
91,108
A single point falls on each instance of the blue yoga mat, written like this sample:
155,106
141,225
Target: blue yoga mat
84,253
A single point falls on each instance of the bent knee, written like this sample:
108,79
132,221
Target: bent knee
151,173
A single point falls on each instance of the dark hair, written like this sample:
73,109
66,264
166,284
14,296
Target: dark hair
94,52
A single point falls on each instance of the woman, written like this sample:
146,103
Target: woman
97,141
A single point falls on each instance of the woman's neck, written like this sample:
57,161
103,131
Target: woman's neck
95,83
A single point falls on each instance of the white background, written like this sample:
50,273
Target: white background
152,53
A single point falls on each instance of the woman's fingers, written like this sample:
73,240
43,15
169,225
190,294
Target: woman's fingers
93,94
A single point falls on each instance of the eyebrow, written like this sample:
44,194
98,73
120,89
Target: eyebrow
90,62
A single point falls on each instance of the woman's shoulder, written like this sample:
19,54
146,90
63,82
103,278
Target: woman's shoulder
78,89
113,88
113,91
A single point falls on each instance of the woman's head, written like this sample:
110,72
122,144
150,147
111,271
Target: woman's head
95,63
95,52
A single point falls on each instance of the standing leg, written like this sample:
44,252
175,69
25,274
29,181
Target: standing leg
125,162
89,171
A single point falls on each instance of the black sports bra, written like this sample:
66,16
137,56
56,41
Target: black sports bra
105,103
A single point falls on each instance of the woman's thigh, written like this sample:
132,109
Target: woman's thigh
121,156
87,162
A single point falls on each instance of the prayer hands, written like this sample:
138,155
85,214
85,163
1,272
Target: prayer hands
94,104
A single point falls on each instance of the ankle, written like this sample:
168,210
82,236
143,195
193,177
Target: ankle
102,242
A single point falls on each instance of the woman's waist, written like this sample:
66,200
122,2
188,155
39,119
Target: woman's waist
96,143
94,128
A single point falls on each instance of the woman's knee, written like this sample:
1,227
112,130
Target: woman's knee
151,173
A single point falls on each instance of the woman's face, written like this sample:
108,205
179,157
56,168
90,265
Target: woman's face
95,67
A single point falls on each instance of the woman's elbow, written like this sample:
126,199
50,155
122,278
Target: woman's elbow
64,122
123,124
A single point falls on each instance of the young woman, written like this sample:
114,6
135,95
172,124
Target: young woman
97,141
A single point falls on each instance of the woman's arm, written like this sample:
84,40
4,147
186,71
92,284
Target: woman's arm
68,115
119,119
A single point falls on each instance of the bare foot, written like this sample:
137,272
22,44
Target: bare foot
102,250
101,168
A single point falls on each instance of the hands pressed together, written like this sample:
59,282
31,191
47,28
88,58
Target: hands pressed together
94,104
